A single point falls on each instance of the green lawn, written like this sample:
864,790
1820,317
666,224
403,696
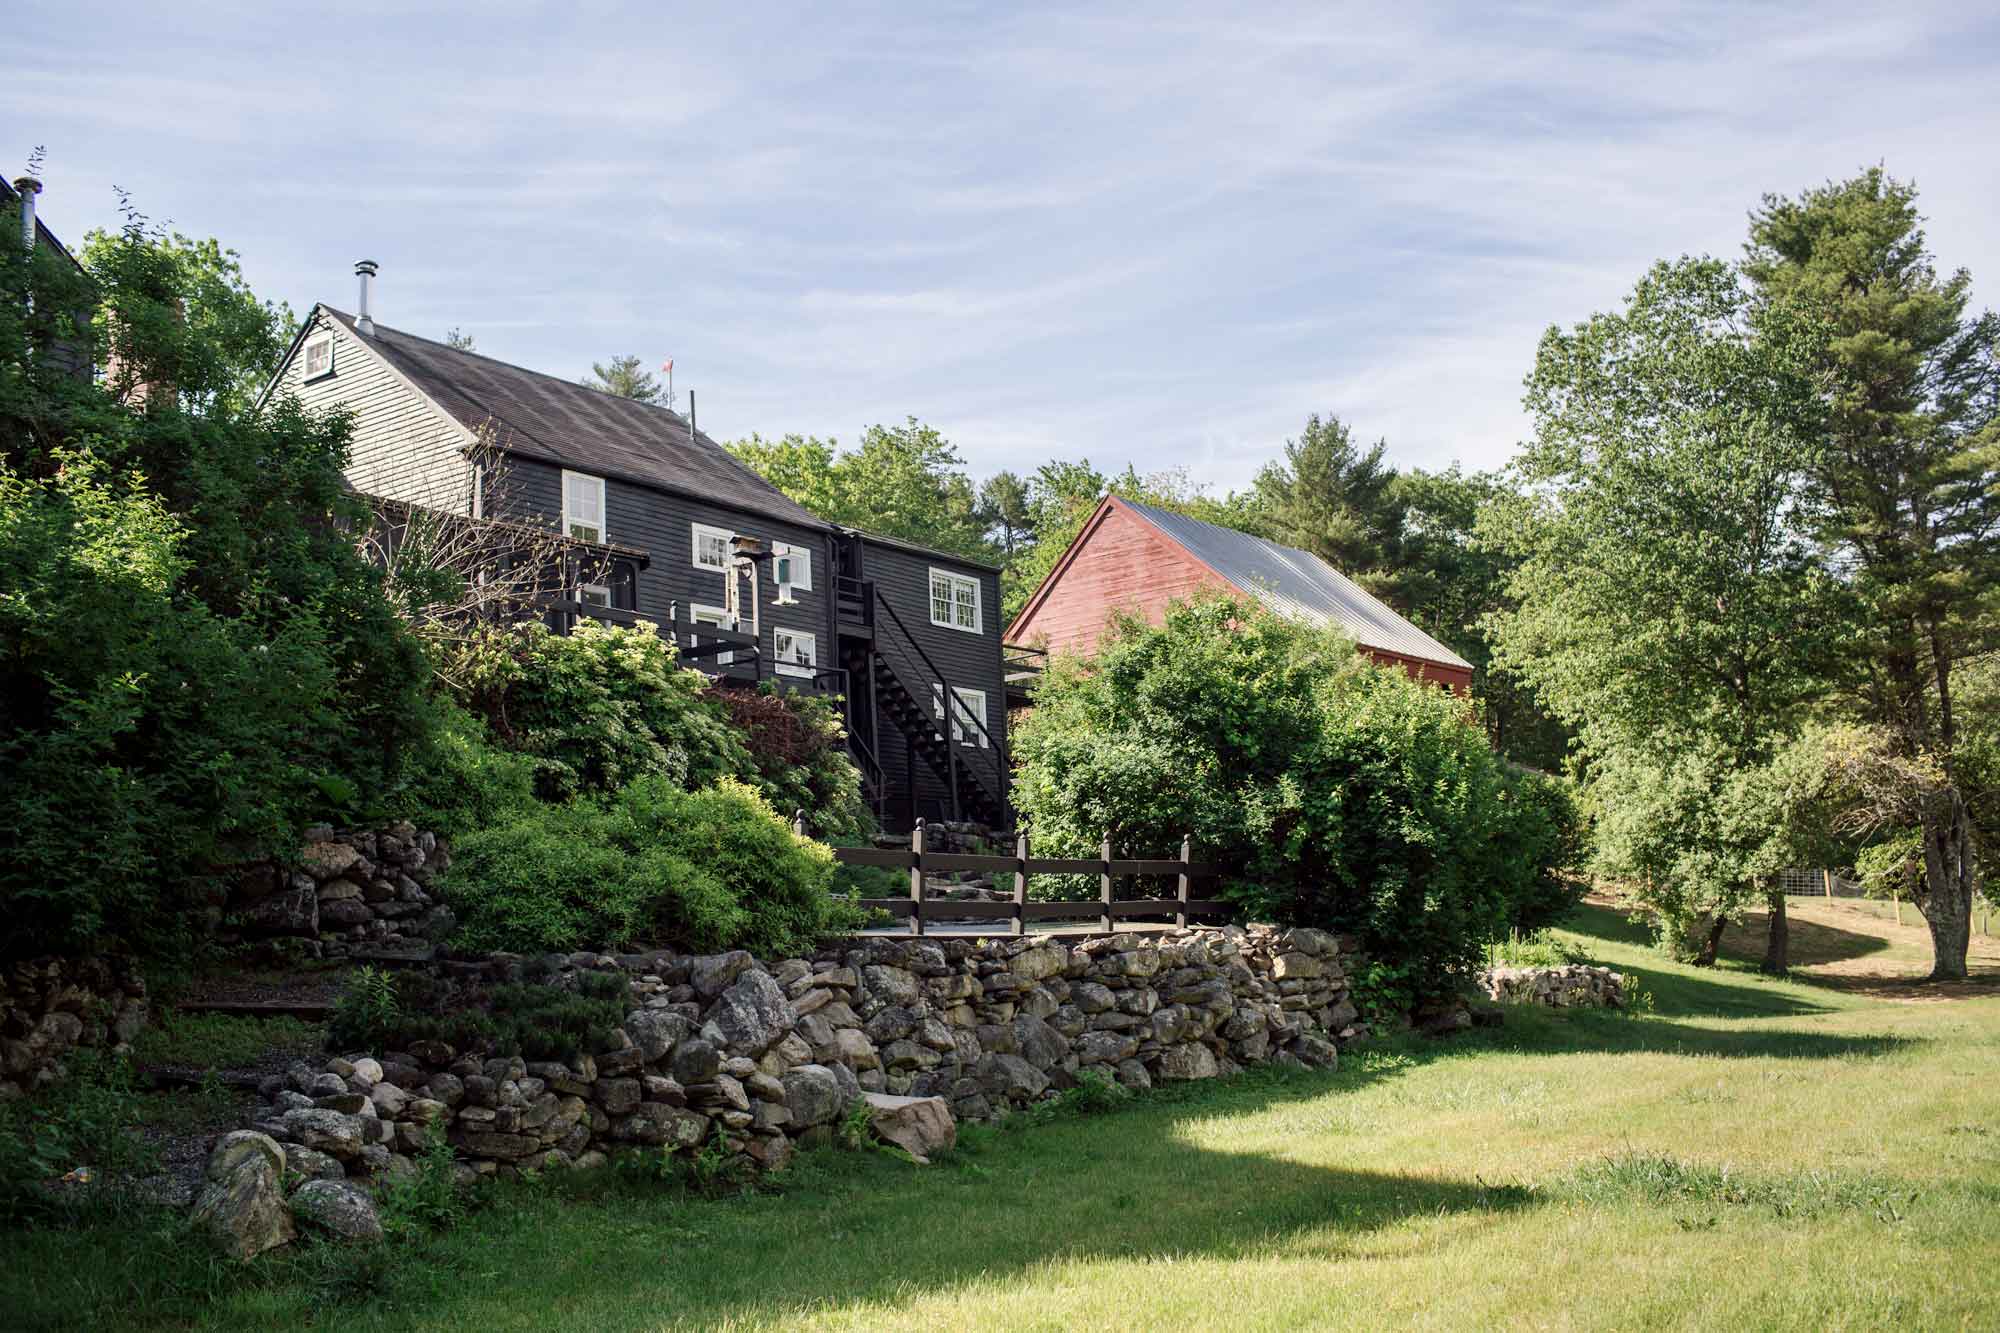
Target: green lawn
1754,1154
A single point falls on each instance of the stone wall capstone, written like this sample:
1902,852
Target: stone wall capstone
761,1055
52,1006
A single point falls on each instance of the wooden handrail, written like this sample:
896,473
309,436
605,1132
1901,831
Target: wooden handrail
1107,908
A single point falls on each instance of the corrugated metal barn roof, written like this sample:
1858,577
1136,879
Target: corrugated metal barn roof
1297,583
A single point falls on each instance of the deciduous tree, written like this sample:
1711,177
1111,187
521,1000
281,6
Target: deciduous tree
1669,604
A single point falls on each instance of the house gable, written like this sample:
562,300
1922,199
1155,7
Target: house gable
1135,558
404,447
1118,562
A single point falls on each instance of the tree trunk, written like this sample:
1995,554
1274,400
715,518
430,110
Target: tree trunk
1778,942
1706,958
1947,905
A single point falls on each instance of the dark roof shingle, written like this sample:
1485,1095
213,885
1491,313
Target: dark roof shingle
546,417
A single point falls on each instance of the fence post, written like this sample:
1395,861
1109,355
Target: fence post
1826,878
1021,884
917,879
1104,885
1187,856
799,823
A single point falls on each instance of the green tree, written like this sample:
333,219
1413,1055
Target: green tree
1339,501
624,376
1669,606
1450,581
195,659
463,341
905,481
1005,504
229,343
1905,491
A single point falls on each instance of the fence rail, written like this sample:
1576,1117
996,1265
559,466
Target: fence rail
1819,882
1106,910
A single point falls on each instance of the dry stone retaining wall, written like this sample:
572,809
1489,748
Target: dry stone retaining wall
361,888
760,1055
51,1006
1577,985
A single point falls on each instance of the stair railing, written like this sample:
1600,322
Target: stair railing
952,718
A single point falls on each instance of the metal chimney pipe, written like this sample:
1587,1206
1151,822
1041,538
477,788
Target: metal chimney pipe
29,188
363,325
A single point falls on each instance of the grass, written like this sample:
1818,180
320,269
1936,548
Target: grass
226,1041
1755,1153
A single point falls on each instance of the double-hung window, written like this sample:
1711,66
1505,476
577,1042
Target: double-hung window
795,561
712,548
968,714
954,600
317,357
797,652
583,507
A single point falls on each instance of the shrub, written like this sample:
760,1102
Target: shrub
85,1121
596,708
798,756
650,864
194,658
462,781
389,1010
606,705
1348,796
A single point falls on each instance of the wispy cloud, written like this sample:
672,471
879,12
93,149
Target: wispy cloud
1129,232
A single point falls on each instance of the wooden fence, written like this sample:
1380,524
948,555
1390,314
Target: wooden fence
1103,912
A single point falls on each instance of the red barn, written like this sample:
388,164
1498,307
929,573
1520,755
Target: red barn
1134,557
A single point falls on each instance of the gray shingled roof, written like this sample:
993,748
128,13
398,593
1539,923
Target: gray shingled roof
547,417
1297,583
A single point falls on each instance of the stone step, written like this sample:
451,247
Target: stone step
307,1009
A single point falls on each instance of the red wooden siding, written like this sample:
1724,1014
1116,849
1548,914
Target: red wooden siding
1120,562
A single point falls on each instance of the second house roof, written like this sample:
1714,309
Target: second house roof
1297,583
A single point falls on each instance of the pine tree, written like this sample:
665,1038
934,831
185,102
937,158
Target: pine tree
1907,495
624,377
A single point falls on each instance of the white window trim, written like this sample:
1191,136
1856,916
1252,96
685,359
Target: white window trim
960,733
694,550
325,340
569,487
721,621
810,666
955,579
802,560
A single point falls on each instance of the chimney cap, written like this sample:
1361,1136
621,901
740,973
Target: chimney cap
27,185
366,268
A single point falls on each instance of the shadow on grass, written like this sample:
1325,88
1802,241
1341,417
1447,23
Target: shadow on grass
853,1231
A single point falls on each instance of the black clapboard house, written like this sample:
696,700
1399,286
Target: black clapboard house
665,522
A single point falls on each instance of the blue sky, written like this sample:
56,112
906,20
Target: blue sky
1149,234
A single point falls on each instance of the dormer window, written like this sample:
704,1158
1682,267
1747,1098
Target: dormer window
316,357
583,507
